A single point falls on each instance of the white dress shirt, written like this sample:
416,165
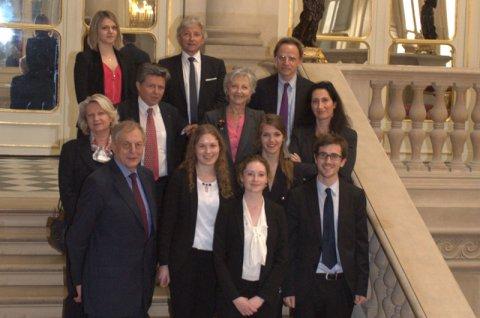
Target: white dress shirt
186,77
322,195
292,89
255,244
161,134
207,209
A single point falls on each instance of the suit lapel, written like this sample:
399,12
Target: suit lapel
147,188
274,90
239,220
203,75
247,130
167,121
135,111
312,201
86,152
224,131
125,192
343,203
193,204
178,69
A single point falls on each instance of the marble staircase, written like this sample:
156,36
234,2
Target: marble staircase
32,272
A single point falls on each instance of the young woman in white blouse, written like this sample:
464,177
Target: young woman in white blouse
195,193
250,247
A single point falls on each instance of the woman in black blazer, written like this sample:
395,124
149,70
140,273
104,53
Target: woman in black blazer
102,55
250,247
330,117
195,193
237,123
78,159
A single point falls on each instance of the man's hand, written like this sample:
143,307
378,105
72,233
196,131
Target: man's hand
289,301
243,306
256,302
189,129
163,275
359,300
78,299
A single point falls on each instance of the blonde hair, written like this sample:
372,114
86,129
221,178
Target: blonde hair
221,165
104,104
97,19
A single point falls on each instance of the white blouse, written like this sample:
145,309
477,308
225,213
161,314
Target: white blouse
207,209
255,244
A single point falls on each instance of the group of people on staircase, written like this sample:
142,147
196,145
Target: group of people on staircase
237,195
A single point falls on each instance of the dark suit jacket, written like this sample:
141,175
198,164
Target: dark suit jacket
179,217
228,247
211,93
279,191
174,124
302,140
75,165
110,256
266,97
88,75
136,55
246,145
305,238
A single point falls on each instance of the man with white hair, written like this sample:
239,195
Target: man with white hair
196,79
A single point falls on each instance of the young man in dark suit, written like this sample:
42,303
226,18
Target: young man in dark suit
165,144
112,240
196,85
285,93
328,239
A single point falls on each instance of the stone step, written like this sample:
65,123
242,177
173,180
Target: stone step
448,216
238,41
39,270
25,241
236,51
46,302
214,32
25,218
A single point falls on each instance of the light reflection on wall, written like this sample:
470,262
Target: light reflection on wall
5,35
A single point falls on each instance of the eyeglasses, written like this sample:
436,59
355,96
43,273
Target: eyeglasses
284,58
333,156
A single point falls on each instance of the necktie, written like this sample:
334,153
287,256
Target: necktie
284,105
139,201
192,88
151,150
329,253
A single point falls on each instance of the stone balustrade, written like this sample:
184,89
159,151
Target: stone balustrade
445,137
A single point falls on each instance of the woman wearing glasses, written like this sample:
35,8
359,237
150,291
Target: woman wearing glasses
327,108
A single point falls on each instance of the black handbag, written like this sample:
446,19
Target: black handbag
57,227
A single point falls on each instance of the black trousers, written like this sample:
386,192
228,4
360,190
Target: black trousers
247,289
328,299
193,288
71,309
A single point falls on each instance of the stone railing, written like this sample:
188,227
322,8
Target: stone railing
437,142
408,275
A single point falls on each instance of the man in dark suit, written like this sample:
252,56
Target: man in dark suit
328,239
285,93
196,85
112,240
136,55
165,144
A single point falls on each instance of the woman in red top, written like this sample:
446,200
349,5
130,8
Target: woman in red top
101,68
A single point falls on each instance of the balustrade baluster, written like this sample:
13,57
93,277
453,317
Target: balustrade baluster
396,112
458,136
376,111
416,135
475,134
438,135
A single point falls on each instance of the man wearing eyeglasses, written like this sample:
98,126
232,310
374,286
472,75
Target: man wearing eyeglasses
328,239
285,93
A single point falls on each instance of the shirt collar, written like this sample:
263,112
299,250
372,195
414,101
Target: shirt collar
143,107
292,82
334,187
185,56
126,173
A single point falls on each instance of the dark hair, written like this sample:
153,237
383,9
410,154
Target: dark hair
339,120
147,69
252,158
221,166
286,165
289,40
129,38
331,139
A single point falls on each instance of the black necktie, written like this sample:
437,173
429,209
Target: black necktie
329,253
192,88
